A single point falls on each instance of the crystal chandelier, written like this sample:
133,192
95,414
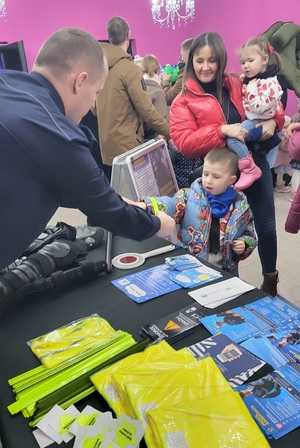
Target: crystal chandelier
2,9
169,10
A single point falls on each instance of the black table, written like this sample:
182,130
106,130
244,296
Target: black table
37,314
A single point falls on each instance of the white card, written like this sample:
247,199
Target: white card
42,439
62,422
43,424
214,295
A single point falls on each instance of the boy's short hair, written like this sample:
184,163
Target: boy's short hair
224,156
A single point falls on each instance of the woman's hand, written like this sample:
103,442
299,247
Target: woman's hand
234,131
268,128
165,76
290,129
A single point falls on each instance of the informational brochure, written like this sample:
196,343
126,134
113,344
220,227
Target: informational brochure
236,363
266,315
215,295
278,348
183,262
274,400
190,278
147,284
175,325
162,279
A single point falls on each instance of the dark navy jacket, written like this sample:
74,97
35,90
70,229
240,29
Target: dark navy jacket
45,163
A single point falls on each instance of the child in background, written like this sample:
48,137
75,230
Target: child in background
151,75
282,165
215,220
261,100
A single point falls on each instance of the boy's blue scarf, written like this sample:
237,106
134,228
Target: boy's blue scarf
220,204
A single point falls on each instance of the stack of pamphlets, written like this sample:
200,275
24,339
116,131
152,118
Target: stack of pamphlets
183,262
176,325
274,400
236,363
278,348
263,316
165,278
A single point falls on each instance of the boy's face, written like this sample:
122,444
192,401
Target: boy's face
216,177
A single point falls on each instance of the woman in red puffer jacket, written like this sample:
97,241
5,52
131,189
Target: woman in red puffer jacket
206,112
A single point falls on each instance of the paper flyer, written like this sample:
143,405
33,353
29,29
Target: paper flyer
274,400
236,363
190,278
147,284
265,315
278,348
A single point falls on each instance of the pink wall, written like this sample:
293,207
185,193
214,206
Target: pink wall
34,20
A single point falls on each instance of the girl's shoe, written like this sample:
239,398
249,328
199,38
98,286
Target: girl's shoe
249,173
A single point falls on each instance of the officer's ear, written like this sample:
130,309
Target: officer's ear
79,81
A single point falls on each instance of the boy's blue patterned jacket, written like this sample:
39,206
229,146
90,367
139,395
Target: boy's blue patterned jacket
191,210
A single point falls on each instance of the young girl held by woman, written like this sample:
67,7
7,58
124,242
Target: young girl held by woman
261,93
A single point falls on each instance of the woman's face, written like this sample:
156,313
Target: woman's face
205,65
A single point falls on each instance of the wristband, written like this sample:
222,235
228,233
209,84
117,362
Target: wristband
149,208
154,205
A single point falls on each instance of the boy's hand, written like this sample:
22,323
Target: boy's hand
238,246
137,203
167,225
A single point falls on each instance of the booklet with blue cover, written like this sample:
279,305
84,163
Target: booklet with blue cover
266,315
236,363
274,400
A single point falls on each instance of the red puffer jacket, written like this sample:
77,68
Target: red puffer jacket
196,118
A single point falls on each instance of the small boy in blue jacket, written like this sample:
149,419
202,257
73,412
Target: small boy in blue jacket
215,221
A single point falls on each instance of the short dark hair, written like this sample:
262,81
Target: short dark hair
225,156
68,47
186,44
117,30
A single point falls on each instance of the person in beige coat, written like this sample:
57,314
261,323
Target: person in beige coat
124,104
